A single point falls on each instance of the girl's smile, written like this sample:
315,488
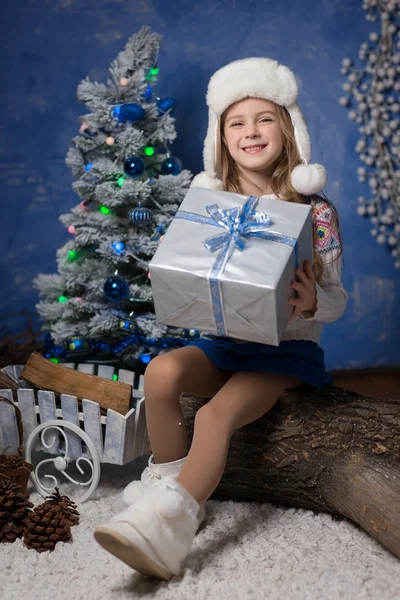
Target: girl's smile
254,149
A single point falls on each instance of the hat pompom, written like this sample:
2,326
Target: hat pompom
309,179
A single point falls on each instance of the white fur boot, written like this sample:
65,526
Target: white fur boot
155,534
151,475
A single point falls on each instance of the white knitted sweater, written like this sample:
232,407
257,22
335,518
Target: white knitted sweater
331,295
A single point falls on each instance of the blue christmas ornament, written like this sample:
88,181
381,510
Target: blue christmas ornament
77,345
171,166
134,166
127,325
165,105
88,166
192,332
116,288
140,215
130,112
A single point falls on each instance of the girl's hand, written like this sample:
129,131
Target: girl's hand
306,291
160,239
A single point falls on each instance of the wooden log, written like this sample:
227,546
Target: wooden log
50,376
326,450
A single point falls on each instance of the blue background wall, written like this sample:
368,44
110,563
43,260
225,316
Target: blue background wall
48,46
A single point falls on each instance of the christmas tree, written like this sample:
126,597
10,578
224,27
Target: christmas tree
99,305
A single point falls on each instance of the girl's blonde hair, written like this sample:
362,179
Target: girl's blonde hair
280,179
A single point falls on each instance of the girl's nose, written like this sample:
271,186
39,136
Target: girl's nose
252,131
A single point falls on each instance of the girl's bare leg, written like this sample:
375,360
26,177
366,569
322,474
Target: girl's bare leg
245,397
166,377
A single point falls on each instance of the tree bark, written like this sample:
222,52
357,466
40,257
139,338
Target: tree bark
329,450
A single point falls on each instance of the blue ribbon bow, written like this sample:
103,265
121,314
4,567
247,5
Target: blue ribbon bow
240,223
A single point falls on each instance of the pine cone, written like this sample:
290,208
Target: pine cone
66,505
14,510
45,527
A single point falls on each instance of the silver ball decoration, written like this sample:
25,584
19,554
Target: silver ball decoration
372,97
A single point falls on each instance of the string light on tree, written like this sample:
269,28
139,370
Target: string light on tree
73,255
118,247
146,357
148,93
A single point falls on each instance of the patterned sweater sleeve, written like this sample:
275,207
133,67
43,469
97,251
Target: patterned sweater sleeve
331,295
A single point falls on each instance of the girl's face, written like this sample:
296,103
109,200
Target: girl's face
253,134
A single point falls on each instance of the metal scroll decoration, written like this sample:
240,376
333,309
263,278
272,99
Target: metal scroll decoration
60,463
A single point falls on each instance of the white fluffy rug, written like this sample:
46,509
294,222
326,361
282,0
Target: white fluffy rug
245,551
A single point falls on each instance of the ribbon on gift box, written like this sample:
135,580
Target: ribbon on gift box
240,222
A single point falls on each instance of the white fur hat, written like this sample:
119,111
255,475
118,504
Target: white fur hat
259,78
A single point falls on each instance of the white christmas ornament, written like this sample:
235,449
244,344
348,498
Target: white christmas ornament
373,102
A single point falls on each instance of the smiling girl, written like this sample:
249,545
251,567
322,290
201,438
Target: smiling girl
257,144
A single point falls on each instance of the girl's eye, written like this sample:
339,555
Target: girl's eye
240,123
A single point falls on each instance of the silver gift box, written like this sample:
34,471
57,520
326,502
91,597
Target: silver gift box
253,285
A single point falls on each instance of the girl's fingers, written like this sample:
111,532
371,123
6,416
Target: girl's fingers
300,288
308,269
295,313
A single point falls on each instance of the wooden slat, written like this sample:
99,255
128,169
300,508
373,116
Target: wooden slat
128,452
8,422
69,408
47,412
47,375
141,383
126,377
92,424
27,406
140,428
13,371
114,440
105,371
86,368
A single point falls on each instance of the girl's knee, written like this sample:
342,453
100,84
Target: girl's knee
209,417
163,373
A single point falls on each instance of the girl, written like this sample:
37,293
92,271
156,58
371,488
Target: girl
257,144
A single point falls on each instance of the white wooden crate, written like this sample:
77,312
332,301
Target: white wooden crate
117,438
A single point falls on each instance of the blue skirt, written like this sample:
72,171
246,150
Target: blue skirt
303,359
